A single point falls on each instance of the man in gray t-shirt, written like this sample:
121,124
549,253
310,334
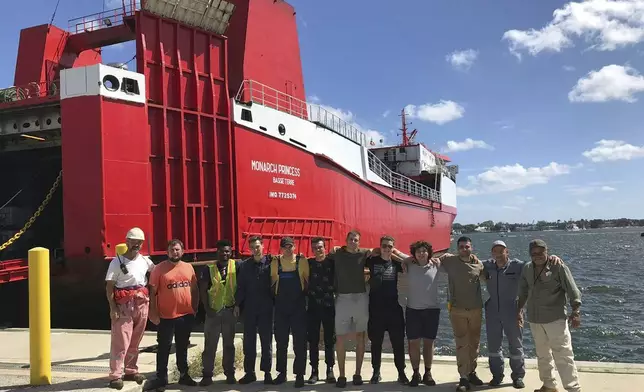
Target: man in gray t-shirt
423,311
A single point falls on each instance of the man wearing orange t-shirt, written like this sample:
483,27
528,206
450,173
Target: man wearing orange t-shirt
174,300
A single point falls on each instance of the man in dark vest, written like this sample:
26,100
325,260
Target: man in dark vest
217,287
289,277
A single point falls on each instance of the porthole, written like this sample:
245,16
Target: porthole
111,83
281,129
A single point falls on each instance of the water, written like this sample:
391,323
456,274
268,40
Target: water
607,265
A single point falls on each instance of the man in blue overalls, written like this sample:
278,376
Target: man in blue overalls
503,275
254,301
290,276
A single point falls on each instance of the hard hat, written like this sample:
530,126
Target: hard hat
135,234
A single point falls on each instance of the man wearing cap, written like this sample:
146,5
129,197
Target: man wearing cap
129,300
502,277
545,287
289,279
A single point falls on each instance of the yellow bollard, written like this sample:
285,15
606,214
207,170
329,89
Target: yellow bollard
39,317
121,249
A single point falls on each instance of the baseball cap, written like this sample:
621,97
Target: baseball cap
135,234
286,241
499,243
538,243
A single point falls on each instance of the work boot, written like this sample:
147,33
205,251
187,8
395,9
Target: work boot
205,381
137,377
518,383
463,385
402,378
428,379
330,377
299,381
186,380
375,379
474,379
314,376
496,381
280,379
116,384
248,378
546,389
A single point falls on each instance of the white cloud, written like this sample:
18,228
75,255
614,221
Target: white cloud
465,145
611,83
439,113
512,177
462,59
515,208
583,203
112,4
605,25
588,189
607,188
614,150
313,99
386,113
568,68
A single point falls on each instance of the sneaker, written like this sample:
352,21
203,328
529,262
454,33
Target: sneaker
428,379
330,377
206,381
280,379
375,379
230,379
474,379
248,378
402,378
268,379
137,377
314,376
415,380
342,382
299,381
463,385
518,383
187,381
495,381
116,384
357,379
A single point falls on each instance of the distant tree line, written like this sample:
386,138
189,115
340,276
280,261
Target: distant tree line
544,225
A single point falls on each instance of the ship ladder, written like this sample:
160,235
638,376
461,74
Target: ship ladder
36,214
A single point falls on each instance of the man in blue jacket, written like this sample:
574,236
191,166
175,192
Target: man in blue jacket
502,277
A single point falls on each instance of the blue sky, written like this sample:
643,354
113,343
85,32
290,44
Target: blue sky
516,95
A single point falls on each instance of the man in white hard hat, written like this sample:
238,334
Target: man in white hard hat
129,300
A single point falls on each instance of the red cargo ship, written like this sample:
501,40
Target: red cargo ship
211,138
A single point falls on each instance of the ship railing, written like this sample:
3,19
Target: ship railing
104,19
29,91
400,182
261,94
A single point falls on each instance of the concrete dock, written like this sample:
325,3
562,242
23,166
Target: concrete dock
80,362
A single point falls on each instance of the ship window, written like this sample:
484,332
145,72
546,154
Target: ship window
131,86
281,129
247,115
111,82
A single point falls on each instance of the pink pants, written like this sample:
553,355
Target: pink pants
127,332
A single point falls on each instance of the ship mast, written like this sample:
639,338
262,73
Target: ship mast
406,139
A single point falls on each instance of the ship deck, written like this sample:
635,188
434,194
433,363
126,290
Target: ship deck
80,361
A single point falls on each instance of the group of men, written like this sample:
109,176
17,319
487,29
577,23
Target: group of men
352,293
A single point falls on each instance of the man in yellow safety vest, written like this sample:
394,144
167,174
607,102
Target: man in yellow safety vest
217,286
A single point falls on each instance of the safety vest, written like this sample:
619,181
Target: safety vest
302,271
220,294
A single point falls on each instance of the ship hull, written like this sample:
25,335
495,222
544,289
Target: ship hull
286,190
